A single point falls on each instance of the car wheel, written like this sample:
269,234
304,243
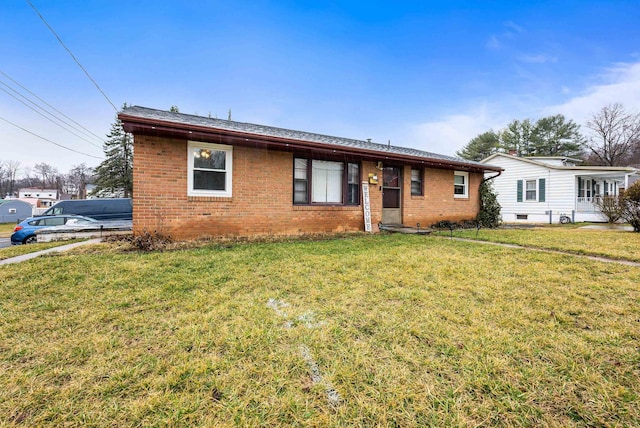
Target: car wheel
30,240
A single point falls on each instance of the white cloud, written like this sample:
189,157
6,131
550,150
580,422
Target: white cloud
513,26
493,43
618,84
537,59
451,133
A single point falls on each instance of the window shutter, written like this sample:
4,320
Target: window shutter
519,190
580,186
541,189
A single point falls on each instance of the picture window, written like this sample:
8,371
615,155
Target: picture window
325,182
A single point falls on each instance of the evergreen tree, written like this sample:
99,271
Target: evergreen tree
518,136
480,147
555,136
115,173
549,136
489,215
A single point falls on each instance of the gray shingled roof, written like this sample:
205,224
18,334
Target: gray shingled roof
270,131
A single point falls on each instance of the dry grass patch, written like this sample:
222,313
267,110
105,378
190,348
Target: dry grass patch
613,244
18,250
409,330
6,229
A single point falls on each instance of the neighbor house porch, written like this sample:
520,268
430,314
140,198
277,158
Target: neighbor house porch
592,188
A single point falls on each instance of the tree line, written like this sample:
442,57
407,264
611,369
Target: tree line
114,175
44,176
612,138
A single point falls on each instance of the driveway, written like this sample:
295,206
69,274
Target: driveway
5,242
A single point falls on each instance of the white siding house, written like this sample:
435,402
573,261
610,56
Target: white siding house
541,189
51,194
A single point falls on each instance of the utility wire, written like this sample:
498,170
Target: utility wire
86,131
48,118
47,140
72,56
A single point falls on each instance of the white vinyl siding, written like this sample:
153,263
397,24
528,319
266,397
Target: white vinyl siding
561,187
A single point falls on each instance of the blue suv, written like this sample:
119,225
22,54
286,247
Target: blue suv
25,231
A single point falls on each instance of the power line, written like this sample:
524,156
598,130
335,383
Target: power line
72,56
86,131
48,140
49,119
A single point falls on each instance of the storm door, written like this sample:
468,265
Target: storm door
391,195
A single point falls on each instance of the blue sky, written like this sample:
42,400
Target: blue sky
428,75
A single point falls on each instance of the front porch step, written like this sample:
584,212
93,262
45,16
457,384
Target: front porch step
399,228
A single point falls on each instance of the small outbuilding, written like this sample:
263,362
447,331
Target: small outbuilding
12,210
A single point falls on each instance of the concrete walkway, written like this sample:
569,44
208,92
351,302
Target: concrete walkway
59,249
543,250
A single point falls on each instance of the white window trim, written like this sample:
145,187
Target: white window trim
227,193
466,184
535,189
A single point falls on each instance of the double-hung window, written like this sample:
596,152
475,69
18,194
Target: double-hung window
416,182
301,181
531,194
325,182
353,184
531,190
460,184
210,169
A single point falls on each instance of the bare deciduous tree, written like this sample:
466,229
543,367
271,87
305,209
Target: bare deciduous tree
77,180
616,133
8,171
11,169
47,173
3,175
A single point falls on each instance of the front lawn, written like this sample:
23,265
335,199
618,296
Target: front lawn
612,244
387,330
18,250
6,229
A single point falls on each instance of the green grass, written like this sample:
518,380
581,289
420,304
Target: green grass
18,250
612,244
408,330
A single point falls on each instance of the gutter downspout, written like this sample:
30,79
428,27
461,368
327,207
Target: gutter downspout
547,196
484,179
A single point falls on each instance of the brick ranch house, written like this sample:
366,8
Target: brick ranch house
196,177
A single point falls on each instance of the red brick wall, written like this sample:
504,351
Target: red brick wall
437,202
262,197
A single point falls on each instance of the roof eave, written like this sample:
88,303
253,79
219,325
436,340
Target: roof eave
154,127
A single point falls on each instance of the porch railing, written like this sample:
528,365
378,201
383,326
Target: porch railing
588,204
